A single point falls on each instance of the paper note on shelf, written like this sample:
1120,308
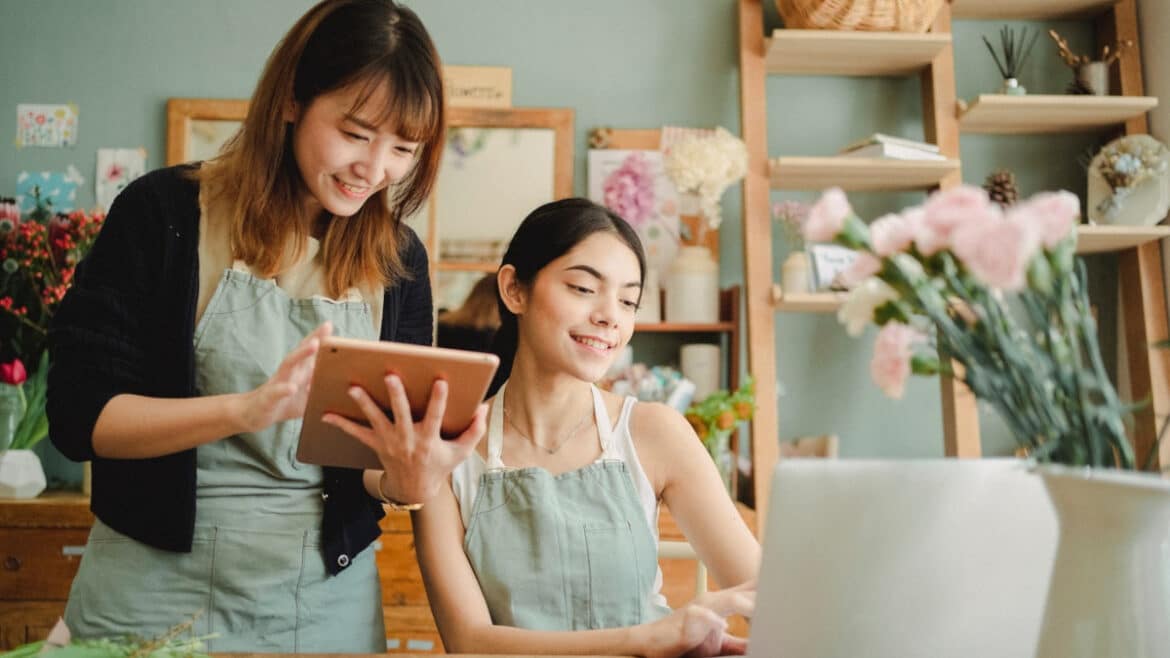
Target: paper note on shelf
893,151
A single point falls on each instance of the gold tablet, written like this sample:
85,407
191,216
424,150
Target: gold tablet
345,362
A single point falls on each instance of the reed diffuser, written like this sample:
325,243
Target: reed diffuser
1014,48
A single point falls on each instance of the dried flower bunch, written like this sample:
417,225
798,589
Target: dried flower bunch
1127,163
936,277
37,259
791,215
1109,54
707,166
1013,51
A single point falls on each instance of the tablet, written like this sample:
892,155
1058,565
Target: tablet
345,362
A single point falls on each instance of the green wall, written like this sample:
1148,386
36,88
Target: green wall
620,63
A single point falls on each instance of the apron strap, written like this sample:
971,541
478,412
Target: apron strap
495,435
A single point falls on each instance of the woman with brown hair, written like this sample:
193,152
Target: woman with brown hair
474,323
182,355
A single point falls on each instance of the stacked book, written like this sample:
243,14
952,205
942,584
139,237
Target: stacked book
878,145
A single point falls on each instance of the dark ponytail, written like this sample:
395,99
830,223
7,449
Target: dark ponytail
546,234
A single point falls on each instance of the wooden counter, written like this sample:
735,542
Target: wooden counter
42,540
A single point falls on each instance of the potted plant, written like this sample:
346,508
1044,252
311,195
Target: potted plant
715,417
38,255
794,273
1002,294
22,425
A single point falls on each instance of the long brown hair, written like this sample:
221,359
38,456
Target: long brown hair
479,310
370,45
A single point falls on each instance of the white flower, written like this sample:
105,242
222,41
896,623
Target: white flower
706,166
857,309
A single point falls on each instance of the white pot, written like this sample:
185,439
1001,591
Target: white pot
1109,594
21,475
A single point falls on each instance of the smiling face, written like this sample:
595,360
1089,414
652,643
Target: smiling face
343,156
580,309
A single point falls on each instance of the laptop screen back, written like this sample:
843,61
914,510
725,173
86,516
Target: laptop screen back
902,559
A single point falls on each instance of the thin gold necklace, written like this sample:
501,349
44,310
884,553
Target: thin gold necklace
552,451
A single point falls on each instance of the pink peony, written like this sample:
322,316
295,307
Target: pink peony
997,252
629,190
827,216
863,267
892,234
1053,214
892,351
945,211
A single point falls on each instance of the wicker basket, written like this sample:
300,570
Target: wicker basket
875,15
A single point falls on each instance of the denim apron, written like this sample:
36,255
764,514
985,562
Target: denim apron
567,552
255,572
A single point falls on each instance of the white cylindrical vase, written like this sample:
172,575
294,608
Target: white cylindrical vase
701,364
692,287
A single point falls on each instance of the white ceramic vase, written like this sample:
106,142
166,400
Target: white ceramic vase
794,274
1109,594
692,287
21,474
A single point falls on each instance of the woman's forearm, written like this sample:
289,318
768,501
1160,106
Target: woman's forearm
138,427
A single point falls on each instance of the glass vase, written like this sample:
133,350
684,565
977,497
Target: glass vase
719,447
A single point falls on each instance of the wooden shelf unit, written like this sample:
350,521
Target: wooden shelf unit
456,266
1030,9
809,302
684,327
1099,239
858,174
1039,113
1142,301
843,52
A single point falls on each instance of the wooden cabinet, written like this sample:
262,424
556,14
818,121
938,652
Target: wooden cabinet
42,540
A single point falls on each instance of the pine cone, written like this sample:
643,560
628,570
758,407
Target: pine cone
1001,187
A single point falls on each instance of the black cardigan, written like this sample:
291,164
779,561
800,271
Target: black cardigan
127,326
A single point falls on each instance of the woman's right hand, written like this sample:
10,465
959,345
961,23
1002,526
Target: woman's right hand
284,395
699,629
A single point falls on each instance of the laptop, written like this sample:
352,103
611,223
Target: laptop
903,559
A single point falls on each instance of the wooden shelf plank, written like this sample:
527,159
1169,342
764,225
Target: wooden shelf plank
683,327
808,302
1037,113
852,53
1029,9
453,266
858,174
1099,239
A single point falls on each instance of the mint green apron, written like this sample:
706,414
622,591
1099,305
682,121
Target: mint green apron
567,552
255,572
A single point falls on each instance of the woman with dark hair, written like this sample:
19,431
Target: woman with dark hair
546,540
182,355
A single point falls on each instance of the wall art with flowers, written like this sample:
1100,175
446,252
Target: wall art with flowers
633,183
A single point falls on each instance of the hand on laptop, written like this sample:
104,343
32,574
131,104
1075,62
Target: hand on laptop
699,629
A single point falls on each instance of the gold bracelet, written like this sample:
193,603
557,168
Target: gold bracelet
394,505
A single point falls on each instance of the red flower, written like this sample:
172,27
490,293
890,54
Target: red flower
13,373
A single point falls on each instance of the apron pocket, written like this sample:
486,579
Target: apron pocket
615,582
124,586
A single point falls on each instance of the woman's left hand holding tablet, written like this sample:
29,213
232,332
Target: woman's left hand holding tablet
416,460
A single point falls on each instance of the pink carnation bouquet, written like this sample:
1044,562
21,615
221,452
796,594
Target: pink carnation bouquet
1001,293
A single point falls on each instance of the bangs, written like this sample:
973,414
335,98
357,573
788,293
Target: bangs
408,107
